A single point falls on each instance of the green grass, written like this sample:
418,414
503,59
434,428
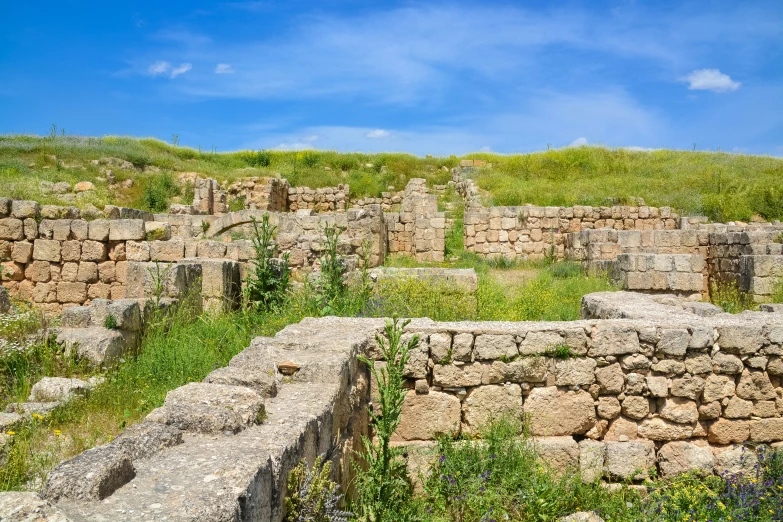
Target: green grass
720,185
502,478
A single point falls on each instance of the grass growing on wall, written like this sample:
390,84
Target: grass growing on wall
720,185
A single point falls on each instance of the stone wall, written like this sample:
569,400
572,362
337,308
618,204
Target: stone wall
222,449
326,199
56,263
418,230
261,193
389,201
652,385
539,232
680,274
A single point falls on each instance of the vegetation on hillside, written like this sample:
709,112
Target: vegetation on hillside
720,185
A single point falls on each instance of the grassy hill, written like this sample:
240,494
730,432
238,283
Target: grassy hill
723,186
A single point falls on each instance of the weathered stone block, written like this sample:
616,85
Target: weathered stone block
630,460
681,457
168,251
126,229
47,250
553,413
725,431
609,339
575,371
488,346
487,403
93,475
539,343
172,280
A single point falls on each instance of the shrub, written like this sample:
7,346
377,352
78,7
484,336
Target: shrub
383,489
262,158
309,158
331,283
267,283
110,322
157,192
312,496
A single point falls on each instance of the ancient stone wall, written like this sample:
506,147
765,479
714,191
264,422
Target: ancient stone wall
63,262
419,229
326,199
539,232
222,449
389,201
261,193
642,385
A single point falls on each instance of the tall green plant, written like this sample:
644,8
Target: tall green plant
312,495
384,490
267,284
331,284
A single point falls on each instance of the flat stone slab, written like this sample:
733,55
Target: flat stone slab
97,344
23,506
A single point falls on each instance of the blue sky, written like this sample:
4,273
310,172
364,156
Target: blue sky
421,77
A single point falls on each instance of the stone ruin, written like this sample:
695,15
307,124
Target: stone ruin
656,379
653,383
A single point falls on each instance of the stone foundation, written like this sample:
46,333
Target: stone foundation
652,385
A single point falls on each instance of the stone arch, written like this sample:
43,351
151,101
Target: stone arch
233,219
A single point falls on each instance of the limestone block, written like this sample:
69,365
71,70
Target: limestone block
742,340
426,417
98,345
221,284
717,387
126,229
462,347
68,292
738,409
260,381
23,506
71,250
674,342
630,460
689,386
94,251
710,411
658,386
176,280
636,407
698,364
679,410
766,430
11,229
127,313
725,431
612,339
755,385
611,379
727,363
98,230
209,408
592,457
87,272
137,251
440,346
157,230
487,403
46,250
578,371
679,457
489,346
22,209
537,343
92,475
734,460
167,251
560,454
525,369
211,249
554,413
608,407
22,252
452,376
660,429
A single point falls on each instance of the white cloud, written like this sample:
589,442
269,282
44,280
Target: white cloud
377,134
159,67
710,80
224,68
182,69
579,142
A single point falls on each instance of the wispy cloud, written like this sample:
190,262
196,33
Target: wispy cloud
377,134
161,68
158,68
223,68
182,69
578,142
710,80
